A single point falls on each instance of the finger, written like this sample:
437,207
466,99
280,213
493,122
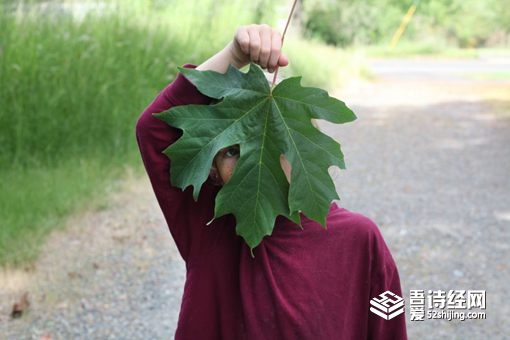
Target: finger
283,60
266,36
276,46
254,43
242,38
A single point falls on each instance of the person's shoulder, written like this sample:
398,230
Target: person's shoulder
356,231
343,220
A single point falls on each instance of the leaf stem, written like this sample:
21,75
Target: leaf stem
283,37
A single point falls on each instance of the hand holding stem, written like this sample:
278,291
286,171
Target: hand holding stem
260,44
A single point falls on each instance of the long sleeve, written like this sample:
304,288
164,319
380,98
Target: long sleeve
385,277
153,136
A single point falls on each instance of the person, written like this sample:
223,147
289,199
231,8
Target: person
301,283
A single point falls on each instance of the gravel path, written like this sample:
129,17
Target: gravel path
428,161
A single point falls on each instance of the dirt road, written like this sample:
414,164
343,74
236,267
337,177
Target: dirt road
428,160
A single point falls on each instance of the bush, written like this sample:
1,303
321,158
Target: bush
354,23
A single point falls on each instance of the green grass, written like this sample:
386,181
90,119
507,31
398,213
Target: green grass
35,201
433,48
71,92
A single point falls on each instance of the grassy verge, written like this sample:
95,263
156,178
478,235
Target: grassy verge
35,201
406,49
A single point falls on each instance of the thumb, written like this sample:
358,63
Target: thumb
283,60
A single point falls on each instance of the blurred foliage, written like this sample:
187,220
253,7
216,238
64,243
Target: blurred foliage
461,23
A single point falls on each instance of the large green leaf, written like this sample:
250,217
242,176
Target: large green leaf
265,123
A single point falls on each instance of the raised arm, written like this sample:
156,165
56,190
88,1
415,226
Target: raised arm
254,43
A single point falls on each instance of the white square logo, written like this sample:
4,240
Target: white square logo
388,305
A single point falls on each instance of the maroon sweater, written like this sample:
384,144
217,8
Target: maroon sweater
310,283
